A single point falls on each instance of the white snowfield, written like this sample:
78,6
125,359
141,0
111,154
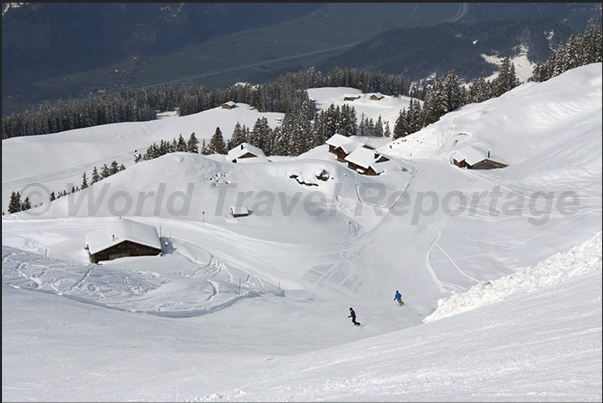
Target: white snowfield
500,269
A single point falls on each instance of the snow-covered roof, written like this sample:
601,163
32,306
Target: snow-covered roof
229,103
338,139
377,95
239,210
472,154
350,146
243,149
120,230
345,143
366,158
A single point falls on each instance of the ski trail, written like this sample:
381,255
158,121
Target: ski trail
454,264
216,290
78,285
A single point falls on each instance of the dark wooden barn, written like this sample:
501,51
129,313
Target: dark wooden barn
122,238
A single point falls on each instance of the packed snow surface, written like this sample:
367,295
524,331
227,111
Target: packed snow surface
500,270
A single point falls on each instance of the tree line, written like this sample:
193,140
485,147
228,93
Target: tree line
447,95
284,95
15,204
578,51
302,128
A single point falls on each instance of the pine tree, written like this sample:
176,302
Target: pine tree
114,168
238,136
192,145
180,145
452,90
95,176
216,143
415,116
401,126
436,104
318,134
26,204
84,181
362,127
480,90
348,126
14,204
204,148
105,172
52,196
506,79
378,131
257,135
281,142
387,131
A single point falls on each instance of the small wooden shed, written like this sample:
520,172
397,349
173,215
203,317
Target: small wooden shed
239,211
120,238
228,105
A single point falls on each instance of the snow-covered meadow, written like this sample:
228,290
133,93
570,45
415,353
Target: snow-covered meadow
500,269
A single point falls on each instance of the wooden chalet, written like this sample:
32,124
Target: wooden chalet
376,97
342,146
472,156
245,151
366,161
228,105
122,238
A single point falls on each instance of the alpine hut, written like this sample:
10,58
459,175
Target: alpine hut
342,146
473,156
367,161
245,151
239,211
121,238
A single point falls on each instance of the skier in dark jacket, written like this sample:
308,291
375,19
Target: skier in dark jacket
353,316
398,297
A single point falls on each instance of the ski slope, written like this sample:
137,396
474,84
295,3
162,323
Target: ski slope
500,269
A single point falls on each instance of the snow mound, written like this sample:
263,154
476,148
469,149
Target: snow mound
581,259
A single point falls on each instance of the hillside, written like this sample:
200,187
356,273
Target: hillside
500,269
462,47
154,44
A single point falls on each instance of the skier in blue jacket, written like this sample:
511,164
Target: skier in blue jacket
398,297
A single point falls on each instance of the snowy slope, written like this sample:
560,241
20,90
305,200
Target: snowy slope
539,344
65,156
255,308
388,107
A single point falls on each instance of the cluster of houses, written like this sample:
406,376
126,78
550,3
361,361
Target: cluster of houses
360,157
123,237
